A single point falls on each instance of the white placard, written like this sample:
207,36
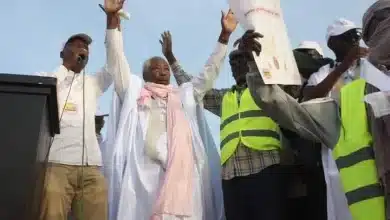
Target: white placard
276,62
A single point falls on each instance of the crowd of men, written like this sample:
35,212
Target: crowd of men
315,151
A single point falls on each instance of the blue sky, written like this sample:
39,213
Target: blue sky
34,32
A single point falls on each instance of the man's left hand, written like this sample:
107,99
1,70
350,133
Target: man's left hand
228,22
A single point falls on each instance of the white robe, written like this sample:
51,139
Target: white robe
134,179
337,204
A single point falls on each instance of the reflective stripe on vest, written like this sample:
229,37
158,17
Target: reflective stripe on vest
247,123
355,157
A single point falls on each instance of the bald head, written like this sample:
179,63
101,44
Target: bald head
156,70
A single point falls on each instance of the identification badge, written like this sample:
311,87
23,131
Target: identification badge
70,107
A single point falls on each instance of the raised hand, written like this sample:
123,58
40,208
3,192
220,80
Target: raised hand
248,42
166,47
166,43
113,6
228,22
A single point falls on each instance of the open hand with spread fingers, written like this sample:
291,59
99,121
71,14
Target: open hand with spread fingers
166,43
228,22
113,6
248,42
166,47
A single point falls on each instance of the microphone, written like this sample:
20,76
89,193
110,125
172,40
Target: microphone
81,58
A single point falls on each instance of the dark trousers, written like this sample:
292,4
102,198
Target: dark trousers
308,157
316,193
298,209
313,205
261,196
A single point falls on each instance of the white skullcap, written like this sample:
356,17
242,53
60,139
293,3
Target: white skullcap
311,45
339,26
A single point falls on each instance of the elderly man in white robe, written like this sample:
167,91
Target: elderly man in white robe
158,165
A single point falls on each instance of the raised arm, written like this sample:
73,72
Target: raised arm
211,68
117,68
314,90
316,120
181,76
204,82
166,44
212,100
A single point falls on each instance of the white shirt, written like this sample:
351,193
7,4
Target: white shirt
67,147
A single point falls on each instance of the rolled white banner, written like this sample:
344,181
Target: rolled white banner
276,62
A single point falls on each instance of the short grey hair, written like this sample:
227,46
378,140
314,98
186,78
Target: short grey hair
147,65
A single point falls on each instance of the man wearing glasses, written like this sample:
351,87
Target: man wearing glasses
343,39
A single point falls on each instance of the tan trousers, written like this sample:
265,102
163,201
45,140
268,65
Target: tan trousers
82,190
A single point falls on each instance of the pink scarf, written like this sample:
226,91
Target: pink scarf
175,195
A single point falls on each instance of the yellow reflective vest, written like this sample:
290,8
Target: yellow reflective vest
242,120
354,157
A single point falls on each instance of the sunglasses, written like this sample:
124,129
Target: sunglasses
351,35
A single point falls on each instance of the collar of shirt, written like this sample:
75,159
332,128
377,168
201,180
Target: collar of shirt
63,69
63,74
